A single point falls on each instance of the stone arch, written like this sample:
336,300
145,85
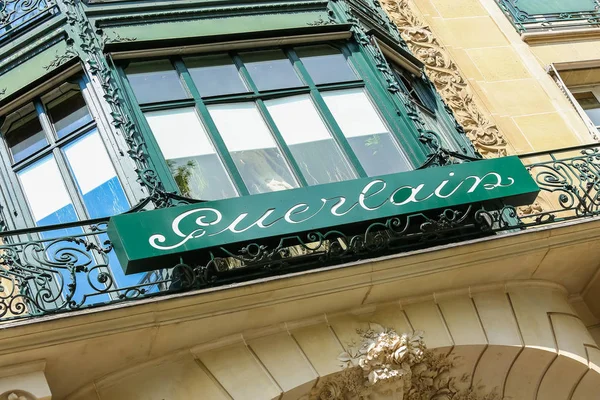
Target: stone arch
493,377
515,340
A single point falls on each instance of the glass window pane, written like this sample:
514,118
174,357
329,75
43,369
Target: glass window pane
215,75
38,180
325,64
44,177
41,179
100,189
95,176
24,134
271,70
67,109
252,147
317,154
154,81
366,132
190,155
412,92
590,104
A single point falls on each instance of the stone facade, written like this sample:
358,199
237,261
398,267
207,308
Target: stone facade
515,316
506,341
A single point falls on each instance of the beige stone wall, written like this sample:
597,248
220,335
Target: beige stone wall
517,340
24,382
507,74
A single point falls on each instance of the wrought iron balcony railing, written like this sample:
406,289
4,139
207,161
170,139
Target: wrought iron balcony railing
67,267
569,180
18,16
536,15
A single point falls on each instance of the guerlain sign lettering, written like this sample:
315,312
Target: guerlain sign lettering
371,198
146,239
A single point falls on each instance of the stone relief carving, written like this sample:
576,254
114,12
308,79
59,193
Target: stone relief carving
392,366
17,395
531,209
446,77
14,396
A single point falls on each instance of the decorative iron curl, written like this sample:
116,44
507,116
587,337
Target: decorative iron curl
60,274
17,14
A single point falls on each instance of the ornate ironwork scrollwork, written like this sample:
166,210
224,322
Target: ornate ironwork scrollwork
67,267
18,14
539,20
573,182
53,273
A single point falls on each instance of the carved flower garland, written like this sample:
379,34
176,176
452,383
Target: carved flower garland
387,365
447,79
385,355
15,396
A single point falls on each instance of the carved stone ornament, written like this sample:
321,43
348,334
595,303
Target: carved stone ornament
531,209
446,77
390,366
18,395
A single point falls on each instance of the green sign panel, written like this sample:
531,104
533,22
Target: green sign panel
156,239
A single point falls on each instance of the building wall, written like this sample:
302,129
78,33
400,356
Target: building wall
507,75
517,341
507,340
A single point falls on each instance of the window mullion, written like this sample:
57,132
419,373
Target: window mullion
160,165
78,204
70,184
61,162
237,60
402,128
212,131
269,120
328,118
281,142
337,132
45,121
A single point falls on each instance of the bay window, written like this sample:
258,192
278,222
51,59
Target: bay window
61,162
62,172
242,123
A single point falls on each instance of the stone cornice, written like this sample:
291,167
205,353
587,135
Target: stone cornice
26,368
561,36
448,80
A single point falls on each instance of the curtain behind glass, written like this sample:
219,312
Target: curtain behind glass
316,153
252,147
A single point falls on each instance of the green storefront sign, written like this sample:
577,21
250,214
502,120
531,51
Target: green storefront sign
157,239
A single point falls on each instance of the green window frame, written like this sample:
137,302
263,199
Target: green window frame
59,172
52,133
431,109
400,130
